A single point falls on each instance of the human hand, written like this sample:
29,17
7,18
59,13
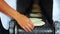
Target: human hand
22,20
25,23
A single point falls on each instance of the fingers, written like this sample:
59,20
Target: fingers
30,24
24,28
25,23
27,27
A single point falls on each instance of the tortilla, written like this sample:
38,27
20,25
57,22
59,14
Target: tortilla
36,15
37,21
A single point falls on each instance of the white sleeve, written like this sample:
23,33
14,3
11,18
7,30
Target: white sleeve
4,18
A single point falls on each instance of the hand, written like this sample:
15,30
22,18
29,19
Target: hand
22,20
25,23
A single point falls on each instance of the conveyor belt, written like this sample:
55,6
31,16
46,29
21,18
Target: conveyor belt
45,29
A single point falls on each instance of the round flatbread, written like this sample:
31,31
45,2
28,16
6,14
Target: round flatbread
37,21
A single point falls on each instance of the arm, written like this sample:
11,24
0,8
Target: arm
22,20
